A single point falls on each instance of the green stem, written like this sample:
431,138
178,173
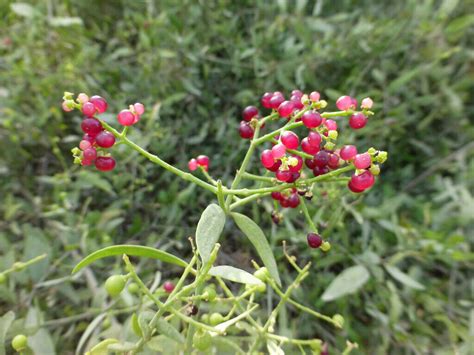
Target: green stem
306,214
19,266
259,178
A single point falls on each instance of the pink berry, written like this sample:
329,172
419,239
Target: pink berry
331,125
91,126
89,138
307,147
105,163
105,139
362,181
249,112
296,102
357,120
283,175
344,103
193,164
311,119
139,108
314,96
82,98
83,145
321,158
362,161
314,138
88,109
276,100
353,103
99,103
203,160
290,140
126,118
366,103
314,240
286,108
348,152
90,154
66,107
267,158
265,100
296,168
297,92
168,286
278,151
245,130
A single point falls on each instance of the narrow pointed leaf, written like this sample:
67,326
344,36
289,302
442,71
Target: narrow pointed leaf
209,229
347,282
132,250
168,330
260,243
234,274
405,279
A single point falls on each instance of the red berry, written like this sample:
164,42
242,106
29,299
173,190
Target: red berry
362,181
203,160
308,147
286,108
314,138
265,100
246,130
105,163
362,161
318,170
283,175
91,126
276,195
276,100
331,125
290,140
278,151
314,240
314,96
249,112
311,119
296,168
126,118
321,158
168,286
294,176
348,152
293,200
83,145
333,162
275,166
90,154
284,202
193,164
105,139
353,103
99,103
344,103
351,187
89,138
310,163
357,120
267,158
86,162
88,109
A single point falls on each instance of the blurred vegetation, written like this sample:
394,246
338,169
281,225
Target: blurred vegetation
195,64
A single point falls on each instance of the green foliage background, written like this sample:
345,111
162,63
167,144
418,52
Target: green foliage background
195,65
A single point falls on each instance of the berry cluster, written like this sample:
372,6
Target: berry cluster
201,161
95,142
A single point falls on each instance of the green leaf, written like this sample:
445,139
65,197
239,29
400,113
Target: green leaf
209,229
41,343
347,282
171,332
133,250
101,348
260,243
273,348
5,323
22,9
122,348
405,279
65,21
234,274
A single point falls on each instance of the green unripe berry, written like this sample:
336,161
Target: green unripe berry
3,278
114,285
210,293
262,274
332,134
382,157
338,320
325,246
19,342
215,318
202,340
133,288
205,318
375,169
261,288
18,266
